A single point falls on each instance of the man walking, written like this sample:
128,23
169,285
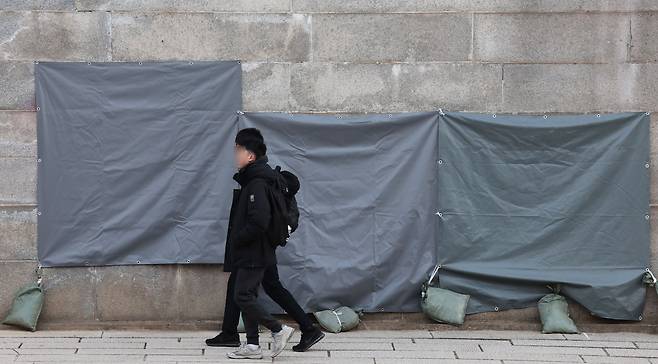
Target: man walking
251,259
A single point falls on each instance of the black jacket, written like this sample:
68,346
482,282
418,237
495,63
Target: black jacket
246,242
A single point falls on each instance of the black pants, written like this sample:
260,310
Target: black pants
279,294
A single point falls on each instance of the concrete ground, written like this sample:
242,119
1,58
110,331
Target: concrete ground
361,346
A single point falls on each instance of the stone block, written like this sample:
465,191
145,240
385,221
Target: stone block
210,36
61,36
391,37
551,38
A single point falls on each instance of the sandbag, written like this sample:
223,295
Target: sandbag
443,305
338,320
25,310
554,315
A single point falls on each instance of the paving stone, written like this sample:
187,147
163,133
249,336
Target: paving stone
289,359
615,336
556,349
51,334
45,351
148,351
76,344
404,334
393,354
80,358
157,334
450,344
507,355
646,345
200,359
494,334
633,352
614,360
582,343
352,346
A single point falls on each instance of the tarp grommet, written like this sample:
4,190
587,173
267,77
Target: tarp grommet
38,160
240,112
647,113
191,62
496,309
38,108
640,318
493,116
440,214
89,63
598,115
39,213
139,63
545,116
440,161
139,261
647,165
188,261
646,217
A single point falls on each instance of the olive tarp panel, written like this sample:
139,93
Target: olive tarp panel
135,161
527,201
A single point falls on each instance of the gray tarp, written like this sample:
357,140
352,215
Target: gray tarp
367,227
527,201
135,166
135,161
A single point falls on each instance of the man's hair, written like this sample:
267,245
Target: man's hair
252,140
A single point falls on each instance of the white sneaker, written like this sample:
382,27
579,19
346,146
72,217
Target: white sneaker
280,339
246,351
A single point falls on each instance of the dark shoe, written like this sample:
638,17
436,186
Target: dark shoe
309,339
224,340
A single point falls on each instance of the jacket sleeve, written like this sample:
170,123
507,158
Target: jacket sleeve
258,214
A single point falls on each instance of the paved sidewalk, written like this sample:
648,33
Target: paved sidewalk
362,346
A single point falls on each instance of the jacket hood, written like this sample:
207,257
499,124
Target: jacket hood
256,169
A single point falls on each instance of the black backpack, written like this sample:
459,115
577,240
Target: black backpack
283,207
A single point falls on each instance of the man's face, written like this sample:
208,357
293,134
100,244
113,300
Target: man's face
242,156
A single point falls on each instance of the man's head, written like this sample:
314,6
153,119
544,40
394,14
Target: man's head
249,146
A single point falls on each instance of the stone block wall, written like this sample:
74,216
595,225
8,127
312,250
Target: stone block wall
503,56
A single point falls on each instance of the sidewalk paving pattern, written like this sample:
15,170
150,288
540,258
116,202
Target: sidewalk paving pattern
355,347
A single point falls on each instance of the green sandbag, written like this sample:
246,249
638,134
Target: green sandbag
338,320
554,315
25,310
443,305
